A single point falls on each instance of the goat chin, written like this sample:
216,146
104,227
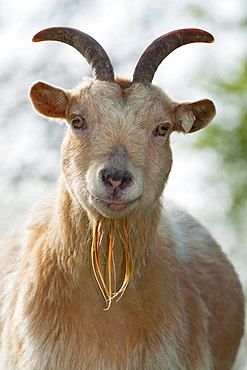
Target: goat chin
104,276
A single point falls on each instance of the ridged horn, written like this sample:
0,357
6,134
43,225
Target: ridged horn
92,51
158,50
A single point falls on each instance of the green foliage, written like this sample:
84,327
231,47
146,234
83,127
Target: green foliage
228,137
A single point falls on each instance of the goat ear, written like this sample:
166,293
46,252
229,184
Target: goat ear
191,117
48,100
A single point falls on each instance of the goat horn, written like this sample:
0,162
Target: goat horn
158,50
95,55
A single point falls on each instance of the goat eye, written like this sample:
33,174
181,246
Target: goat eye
162,129
77,121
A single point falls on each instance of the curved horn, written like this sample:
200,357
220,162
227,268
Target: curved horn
91,50
158,50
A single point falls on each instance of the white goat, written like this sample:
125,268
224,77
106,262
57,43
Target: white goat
172,299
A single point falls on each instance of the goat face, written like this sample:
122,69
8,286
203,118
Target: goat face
116,155
122,169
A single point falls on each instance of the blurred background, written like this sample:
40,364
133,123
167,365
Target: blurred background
209,176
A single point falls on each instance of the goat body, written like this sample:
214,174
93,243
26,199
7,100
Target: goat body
172,299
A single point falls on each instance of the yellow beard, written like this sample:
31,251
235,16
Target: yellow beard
108,283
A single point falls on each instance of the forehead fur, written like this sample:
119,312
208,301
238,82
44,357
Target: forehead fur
121,97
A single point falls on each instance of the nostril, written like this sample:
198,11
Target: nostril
116,178
114,182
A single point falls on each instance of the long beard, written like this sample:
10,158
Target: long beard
111,283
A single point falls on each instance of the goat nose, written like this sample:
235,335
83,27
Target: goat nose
116,178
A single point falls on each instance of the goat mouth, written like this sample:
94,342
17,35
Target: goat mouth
117,207
113,206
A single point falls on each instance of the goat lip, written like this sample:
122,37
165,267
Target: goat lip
113,206
117,207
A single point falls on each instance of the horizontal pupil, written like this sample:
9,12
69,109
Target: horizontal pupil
75,121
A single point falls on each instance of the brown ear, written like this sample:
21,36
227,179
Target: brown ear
48,100
191,117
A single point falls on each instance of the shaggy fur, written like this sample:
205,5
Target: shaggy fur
179,303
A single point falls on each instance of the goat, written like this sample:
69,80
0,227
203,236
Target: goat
103,276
